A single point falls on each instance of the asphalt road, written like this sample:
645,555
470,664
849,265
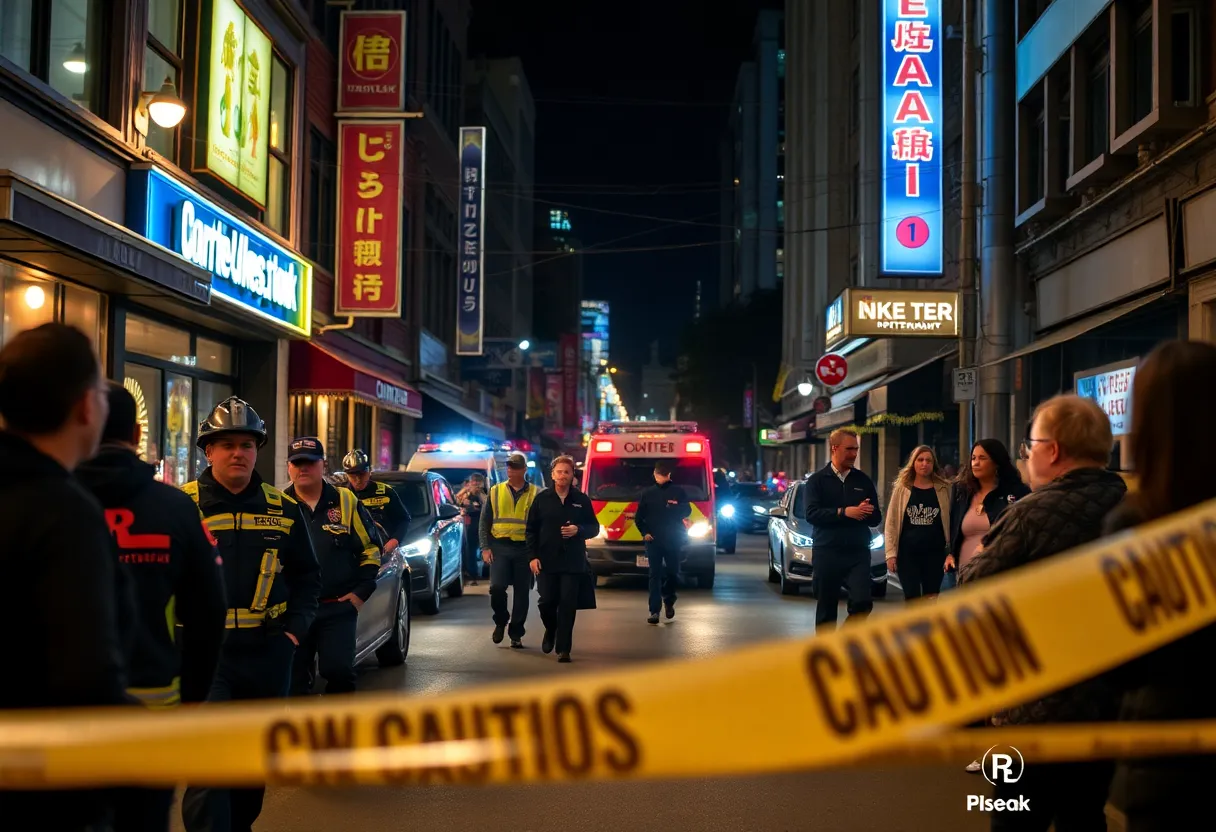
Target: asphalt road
453,649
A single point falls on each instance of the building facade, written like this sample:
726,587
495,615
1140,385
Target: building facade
658,401
557,277
753,169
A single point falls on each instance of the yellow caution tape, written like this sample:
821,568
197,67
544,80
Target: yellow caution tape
891,688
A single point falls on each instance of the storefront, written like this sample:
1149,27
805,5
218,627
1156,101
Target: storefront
338,393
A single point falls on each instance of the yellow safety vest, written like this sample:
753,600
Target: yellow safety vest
510,515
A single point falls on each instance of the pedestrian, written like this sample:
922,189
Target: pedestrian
388,512
983,491
841,506
64,645
1173,452
269,565
662,518
160,539
918,523
1066,451
502,533
472,499
560,523
341,535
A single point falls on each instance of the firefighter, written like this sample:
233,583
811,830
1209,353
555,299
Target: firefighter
350,561
384,504
160,540
271,576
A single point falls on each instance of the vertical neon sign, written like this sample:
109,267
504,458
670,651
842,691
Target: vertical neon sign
912,223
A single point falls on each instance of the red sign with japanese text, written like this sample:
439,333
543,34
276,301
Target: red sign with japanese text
368,259
371,71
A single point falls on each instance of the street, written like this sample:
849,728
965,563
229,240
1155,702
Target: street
453,649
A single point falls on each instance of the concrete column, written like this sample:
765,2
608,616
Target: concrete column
888,461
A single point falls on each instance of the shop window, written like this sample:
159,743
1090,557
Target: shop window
82,308
59,42
214,356
158,340
210,393
28,302
278,200
179,428
144,385
322,200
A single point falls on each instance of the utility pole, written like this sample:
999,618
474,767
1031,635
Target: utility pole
966,242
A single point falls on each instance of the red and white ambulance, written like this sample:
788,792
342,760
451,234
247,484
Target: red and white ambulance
620,465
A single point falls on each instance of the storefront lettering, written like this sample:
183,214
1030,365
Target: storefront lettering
226,253
391,394
926,316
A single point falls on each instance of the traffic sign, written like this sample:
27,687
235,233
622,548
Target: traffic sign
831,370
966,380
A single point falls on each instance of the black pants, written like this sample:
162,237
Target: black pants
834,567
471,556
332,640
664,573
510,569
246,671
920,573
558,606
1070,795
142,810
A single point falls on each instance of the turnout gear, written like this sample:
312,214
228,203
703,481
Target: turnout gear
232,415
389,514
356,462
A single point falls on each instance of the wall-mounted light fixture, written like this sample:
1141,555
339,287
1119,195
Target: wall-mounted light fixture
76,61
164,107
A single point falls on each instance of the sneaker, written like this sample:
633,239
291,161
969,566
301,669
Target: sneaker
517,644
670,609
973,767
546,644
564,658
499,631
654,618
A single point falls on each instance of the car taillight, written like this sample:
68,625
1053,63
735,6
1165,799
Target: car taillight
693,447
603,447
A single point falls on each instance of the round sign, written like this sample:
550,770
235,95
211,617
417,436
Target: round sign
831,370
912,232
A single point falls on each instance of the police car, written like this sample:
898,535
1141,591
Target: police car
620,466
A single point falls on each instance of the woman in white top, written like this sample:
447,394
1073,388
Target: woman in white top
918,525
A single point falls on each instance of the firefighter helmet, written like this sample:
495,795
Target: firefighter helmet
356,462
232,415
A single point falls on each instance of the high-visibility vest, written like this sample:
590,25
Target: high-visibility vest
510,515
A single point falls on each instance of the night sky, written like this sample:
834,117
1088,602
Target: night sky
632,101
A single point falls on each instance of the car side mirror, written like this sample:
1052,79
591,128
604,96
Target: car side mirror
447,511
778,511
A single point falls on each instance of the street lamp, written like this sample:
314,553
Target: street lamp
612,370
525,345
805,388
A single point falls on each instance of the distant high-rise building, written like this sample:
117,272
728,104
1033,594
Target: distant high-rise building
658,389
557,277
594,327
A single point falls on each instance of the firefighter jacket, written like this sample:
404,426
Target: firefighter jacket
386,509
271,574
160,539
340,529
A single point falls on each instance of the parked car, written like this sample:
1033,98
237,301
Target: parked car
752,503
790,542
435,539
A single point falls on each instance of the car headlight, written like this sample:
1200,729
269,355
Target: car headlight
878,542
727,511
418,547
801,540
759,510
698,529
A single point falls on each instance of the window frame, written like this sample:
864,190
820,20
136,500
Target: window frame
283,157
169,56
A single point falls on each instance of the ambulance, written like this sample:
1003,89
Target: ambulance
620,465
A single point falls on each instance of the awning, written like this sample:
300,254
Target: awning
922,365
1080,327
798,430
46,232
324,371
456,419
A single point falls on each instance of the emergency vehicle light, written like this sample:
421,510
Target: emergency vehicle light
694,447
647,427
603,447
428,447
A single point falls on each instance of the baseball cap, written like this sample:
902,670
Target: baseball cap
517,460
305,449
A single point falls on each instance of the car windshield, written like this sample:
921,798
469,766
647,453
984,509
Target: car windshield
413,494
756,491
625,479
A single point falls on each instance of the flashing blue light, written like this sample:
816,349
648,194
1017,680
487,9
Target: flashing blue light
727,511
463,447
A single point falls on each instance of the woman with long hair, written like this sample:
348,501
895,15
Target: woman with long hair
1173,449
984,489
917,525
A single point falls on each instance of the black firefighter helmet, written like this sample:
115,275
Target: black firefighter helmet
232,415
356,462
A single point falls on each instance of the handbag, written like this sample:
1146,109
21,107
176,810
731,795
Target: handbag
950,580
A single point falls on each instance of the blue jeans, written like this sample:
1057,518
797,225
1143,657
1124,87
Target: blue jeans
664,572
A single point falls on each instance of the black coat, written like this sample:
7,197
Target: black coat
827,498
1000,498
544,539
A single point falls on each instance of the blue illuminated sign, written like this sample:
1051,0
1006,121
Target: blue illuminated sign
912,202
248,269
470,298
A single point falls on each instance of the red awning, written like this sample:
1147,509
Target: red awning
325,371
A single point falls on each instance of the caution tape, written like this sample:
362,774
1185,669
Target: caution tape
892,688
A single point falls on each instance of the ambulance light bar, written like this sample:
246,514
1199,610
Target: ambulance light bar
647,427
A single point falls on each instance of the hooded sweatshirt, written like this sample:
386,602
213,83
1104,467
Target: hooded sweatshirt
159,537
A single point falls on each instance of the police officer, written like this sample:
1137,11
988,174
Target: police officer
350,560
272,579
381,501
160,540
501,533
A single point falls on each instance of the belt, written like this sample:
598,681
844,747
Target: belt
243,618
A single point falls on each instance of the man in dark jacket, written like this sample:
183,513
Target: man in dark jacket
560,522
1066,452
160,539
662,511
61,616
841,506
350,560
384,504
